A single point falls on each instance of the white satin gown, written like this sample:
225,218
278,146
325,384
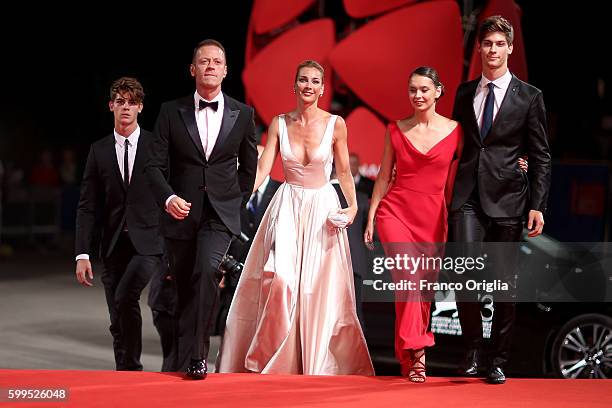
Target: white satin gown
294,308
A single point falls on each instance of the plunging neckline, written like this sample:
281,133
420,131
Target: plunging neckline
316,151
404,136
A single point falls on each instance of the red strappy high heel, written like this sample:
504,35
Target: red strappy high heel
416,371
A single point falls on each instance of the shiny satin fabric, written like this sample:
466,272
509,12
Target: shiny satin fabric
294,308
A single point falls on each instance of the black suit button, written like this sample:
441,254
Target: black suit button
206,166
202,188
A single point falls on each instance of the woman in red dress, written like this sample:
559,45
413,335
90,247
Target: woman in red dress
411,210
425,149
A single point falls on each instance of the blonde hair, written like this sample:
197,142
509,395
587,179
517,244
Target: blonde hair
310,64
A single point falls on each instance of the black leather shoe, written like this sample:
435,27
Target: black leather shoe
496,376
470,364
197,370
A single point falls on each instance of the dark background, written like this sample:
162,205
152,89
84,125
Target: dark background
58,64
57,69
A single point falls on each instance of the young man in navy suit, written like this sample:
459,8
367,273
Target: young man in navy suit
503,118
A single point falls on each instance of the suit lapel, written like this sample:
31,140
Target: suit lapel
230,114
187,111
143,140
111,153
472,123
507,103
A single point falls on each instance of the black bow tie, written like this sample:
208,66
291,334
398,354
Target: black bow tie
212,105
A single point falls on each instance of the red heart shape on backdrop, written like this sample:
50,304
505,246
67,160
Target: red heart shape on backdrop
375,60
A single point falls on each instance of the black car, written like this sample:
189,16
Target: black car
565,332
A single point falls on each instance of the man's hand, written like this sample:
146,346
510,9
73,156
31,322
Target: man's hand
83,271
178,208
535,223
523,163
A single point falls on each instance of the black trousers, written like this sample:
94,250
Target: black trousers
194,267
470,224
126,274
358,282
164,323
162,301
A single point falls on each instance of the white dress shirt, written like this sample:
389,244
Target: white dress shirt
208,121
209,125
501,86
120,151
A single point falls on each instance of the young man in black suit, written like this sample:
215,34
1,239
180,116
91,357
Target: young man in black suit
202,171
115,191
503,118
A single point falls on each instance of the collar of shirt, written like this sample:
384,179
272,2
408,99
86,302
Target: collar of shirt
263,186
499,91
357,178
500,83
219,98
133,137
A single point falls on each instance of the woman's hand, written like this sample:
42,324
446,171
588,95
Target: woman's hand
350,212
368,235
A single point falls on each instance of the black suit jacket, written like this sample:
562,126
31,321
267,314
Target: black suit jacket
178,164
262,205
355,231
491,165
250,223
365,185
104,200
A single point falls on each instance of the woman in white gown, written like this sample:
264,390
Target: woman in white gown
294,308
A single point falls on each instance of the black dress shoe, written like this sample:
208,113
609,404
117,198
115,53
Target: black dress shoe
470,364
496,376
197,370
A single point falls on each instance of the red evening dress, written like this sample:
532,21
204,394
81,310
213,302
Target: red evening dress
412,219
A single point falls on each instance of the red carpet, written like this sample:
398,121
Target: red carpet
129,389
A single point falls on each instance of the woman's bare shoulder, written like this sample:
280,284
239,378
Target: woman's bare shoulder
405,124
447,123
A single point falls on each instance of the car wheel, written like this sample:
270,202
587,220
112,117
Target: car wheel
583,348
